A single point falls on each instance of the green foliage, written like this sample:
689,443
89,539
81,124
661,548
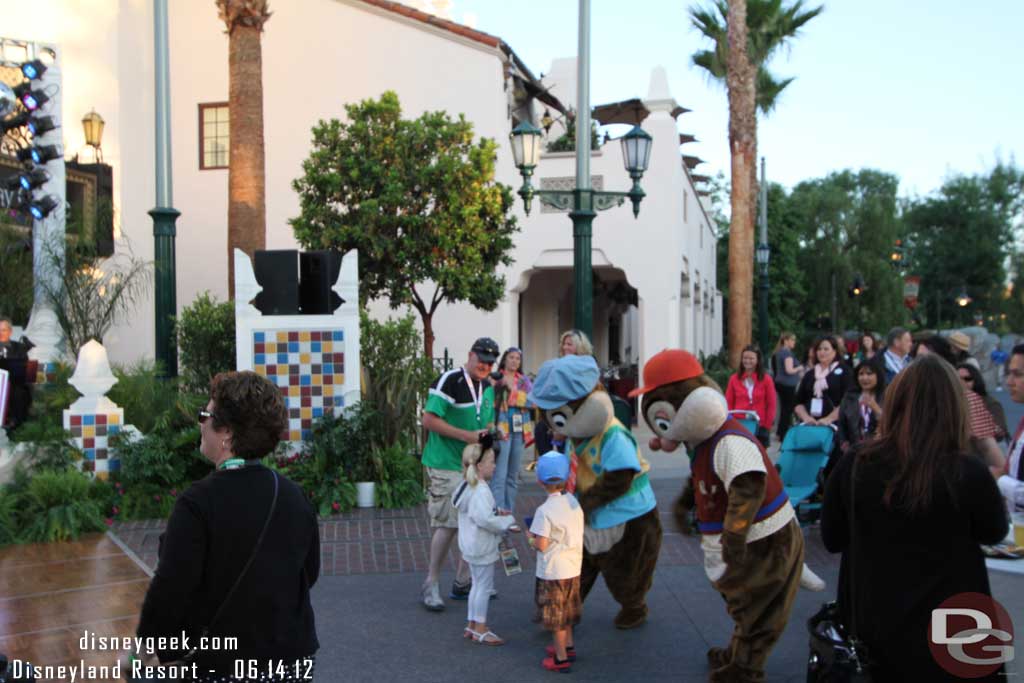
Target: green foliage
145,396
320,477
9,503
770,26
417,198
15,272
346,442
206,340
52,445
51,399
165,459
147,500
399,477
567,141
716,366
58,507
92,293
397,375
962,236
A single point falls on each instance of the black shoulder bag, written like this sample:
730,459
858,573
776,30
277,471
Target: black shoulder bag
191,655
837,655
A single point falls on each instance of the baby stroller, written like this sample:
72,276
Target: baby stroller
804,453
748,418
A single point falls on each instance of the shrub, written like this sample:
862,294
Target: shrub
145,396
52,443
397,375
716,366
58,507
9,503
147,500
323,483
399,477
206,340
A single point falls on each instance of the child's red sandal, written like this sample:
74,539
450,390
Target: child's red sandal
551,664
570,652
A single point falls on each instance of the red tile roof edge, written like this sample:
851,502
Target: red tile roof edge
433,20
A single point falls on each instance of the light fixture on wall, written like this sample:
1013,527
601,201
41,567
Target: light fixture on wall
92,125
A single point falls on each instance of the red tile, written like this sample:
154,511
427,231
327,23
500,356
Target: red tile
76,420
101,419
314,336
88,442
259,347
293,336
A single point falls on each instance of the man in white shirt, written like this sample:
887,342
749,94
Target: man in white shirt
1011,479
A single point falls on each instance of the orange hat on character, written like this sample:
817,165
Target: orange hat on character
667,367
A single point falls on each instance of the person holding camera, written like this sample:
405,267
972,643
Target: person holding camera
459,411
511,388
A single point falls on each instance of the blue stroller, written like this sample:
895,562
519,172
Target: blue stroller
747,418
804,452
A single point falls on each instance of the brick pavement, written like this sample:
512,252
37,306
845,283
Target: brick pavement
374,541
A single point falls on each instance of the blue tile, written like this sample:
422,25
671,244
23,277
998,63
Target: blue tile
113,429
315,347
329,368
306,433
338,335
260,336
88,419
282,359
260,359
90,453
305,380
318,412
293,347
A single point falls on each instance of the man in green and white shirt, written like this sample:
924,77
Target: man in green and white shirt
459,409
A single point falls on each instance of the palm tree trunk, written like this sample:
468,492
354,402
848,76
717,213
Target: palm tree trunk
247,211
743,149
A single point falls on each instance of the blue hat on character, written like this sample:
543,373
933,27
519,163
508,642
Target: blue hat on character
552,467
564,379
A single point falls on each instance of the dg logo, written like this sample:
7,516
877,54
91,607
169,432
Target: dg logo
971,635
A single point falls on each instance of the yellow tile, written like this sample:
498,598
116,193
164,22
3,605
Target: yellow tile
339,378
293,391
270,347
113,419
102,476
304,358
303,336
326,347
260,370
328,390
306,413
295,435
282,337
318,380
88,432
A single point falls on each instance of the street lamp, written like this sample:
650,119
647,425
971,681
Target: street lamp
92,126
962,299
583,200
762,255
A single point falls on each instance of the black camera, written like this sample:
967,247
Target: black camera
496,375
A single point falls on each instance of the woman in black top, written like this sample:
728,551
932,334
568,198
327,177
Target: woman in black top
212,533
823,386
922,507
973,381
861,408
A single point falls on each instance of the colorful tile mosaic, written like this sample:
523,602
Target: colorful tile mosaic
46,373
91,433
308,366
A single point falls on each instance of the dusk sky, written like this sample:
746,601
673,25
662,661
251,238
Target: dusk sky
918,88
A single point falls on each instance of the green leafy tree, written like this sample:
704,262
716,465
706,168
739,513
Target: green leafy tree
849,223
745,35
206,340
417,198
962,237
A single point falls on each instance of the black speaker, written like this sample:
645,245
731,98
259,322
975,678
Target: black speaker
277,272
318,271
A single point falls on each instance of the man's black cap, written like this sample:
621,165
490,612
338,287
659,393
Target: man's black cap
486,349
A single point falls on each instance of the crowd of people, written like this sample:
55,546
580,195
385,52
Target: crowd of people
917,482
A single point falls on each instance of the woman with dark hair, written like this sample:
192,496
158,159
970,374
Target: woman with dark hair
241,549
861,408
823,386
921,508
516,427
786,376
973,381
867,347
753,389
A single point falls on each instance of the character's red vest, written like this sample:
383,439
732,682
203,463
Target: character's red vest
711,496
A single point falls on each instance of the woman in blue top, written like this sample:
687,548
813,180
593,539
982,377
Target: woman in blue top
516,427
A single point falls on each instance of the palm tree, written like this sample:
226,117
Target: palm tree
247,209
745,34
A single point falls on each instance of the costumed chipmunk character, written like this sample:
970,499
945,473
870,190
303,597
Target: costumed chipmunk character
753,546
622,535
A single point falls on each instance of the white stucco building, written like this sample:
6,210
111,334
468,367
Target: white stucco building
319,55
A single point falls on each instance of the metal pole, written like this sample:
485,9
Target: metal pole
164,215
763,299
583,212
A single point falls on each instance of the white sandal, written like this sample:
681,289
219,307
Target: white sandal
481,638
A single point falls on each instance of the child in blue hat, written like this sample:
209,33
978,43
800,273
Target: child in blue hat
556,531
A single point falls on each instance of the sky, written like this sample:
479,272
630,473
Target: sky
922,89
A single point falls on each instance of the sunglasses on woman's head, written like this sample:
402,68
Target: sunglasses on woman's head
204,415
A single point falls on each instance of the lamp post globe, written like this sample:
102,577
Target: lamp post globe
762,256
636,156
526,140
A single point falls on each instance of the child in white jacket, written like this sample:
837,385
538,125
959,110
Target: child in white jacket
480,530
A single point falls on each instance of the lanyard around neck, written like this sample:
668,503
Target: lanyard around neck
477,399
